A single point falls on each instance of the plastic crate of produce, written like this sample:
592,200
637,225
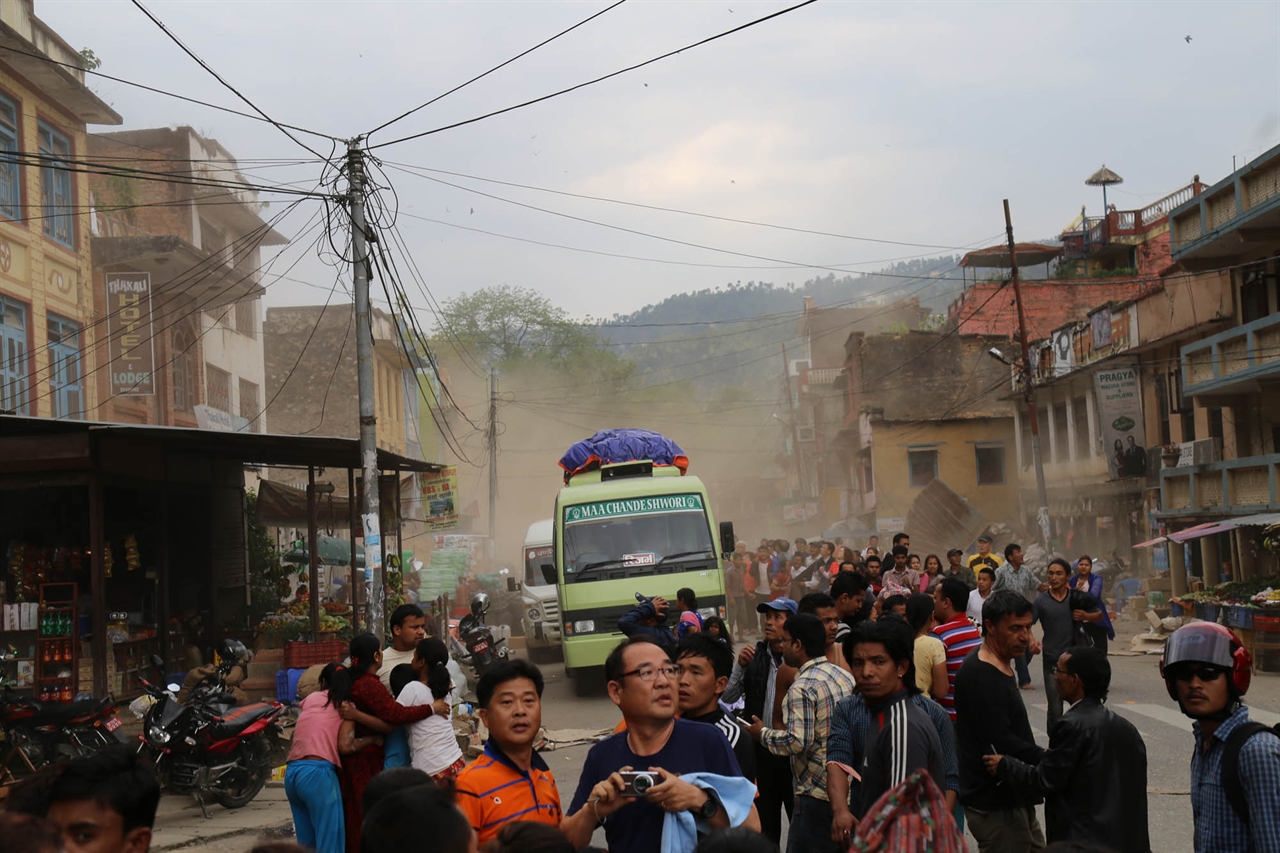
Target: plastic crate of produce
287,685
1210,613
300,655
1240,616
1266,623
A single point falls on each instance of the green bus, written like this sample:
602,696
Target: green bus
624,529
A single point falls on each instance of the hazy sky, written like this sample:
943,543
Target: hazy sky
896,121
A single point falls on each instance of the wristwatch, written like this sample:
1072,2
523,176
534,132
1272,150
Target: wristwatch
708,809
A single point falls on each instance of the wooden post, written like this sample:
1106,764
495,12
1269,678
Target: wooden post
313,555
98,585
354,595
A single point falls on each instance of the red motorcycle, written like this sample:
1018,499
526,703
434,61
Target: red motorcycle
37,733
208,747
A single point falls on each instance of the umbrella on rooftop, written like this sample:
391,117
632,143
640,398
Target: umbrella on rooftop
1104,178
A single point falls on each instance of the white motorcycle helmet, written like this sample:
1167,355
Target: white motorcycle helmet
479,604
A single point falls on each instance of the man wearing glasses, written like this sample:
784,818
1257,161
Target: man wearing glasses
643,684
1094,774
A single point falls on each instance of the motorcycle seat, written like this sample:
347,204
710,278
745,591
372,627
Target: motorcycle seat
239,719
51,714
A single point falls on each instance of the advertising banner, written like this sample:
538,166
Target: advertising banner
1119,396
440,498
129,333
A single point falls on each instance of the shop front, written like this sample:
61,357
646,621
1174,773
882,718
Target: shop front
123,542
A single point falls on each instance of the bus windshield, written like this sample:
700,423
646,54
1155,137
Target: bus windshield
632,536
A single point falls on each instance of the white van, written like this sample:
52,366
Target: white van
541,617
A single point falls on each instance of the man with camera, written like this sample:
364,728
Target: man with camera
632,779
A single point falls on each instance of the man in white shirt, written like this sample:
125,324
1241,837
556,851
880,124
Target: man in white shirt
407,629
986,580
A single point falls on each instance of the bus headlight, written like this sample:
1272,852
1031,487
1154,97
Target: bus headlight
586,626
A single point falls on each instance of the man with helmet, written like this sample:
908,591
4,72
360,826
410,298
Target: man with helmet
230,668
1235,767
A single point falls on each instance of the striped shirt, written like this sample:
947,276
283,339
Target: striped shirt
806,724
492,791
960,638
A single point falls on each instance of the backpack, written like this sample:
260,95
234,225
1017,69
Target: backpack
910,818
1230,770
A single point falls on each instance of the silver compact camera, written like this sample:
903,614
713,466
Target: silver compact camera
636,783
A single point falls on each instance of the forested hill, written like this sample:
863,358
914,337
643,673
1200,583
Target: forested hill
929,279
731,336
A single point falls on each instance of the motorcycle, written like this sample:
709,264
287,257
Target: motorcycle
38,733
208,747
479,649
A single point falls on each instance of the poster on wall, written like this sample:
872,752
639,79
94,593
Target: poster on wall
1119,396
129,333
440,498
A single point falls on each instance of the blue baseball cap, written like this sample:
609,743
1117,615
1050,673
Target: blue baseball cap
784,604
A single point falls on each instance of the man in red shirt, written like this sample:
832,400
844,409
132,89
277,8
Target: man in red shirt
950,599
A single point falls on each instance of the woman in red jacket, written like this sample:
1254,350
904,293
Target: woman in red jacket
374,704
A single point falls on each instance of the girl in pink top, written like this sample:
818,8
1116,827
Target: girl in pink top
320,738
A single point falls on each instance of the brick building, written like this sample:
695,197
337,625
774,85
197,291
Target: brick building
198,247
46,300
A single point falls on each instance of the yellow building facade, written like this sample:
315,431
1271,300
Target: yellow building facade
47,322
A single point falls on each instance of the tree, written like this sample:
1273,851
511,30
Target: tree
517,328
266,574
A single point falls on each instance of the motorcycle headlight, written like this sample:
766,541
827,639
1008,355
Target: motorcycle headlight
155,734
586,626
535,615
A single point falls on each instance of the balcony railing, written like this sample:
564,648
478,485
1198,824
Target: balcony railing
1230,487
1231,360
1095,232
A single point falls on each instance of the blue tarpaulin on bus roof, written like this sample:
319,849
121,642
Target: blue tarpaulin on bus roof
613,446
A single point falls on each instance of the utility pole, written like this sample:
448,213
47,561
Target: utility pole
1042,512
370,509
795,434
493,461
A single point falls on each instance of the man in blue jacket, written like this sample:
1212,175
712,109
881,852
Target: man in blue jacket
649,619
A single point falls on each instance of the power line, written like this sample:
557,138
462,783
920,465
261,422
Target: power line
189,52
495,68
153,89
600,79
637,232
642,258
405,167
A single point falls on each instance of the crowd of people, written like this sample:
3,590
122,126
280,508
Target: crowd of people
879,709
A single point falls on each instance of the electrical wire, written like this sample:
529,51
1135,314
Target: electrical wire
411,169
498,67
592,82
634,231
154,90
189,52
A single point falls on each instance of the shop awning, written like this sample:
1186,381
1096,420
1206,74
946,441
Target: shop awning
32,440
1200,531
1151,542
1209,528
282,505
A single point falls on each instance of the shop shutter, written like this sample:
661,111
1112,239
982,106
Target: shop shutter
230,554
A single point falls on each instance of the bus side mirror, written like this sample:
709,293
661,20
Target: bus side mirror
549,573
727,540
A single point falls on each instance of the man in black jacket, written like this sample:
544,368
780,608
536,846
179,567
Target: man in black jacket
1094,775
991,718
755,679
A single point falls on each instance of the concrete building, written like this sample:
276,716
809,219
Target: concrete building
925,406
311,376
818,480
1113,366
46,294
1229,380
177,258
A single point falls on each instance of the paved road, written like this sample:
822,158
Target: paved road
1137,693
